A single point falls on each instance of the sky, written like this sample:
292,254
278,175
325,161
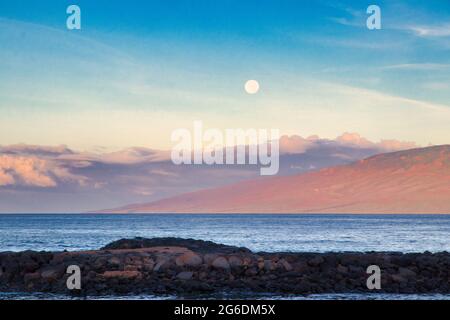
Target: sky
137,70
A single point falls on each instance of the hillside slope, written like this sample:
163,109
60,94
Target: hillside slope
412,181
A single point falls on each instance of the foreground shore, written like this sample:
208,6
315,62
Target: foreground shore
186,266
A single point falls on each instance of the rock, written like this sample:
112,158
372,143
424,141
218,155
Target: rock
221,263
185,275
247,261
148,263
235,262
357,270
133,260
51,274
30,266
342,269
132,272
251,272
209,258
398,278
191,244
303,287
100,263
163,265
268,265
31,276
189,259
315,262
131,267
260,264
301,266
122,274
407,273
158,266
286,265
114,262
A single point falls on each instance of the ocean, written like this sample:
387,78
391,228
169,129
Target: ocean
270,233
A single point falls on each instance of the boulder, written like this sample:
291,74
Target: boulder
185,275
51,274
114,262
30,266
235,262
122,274
31,276
407,273
148,263
131,267
260,264
163,265
268,265
286,265
398,278
133,260
209,258
342,269
251,272
189,259
221,263
191,244
317,261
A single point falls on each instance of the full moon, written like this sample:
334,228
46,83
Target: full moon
252,86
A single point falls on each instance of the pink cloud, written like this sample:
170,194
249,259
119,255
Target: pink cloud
394,145
297,145
27,171
6,178
127,156
35,149
355,139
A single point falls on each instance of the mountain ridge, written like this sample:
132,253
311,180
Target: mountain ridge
411,181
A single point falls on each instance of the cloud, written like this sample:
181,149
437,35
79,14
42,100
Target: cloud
383,98
135,155
24,165
347,22
162,172
25,171
442,30
25,149
127,156
383,146
297,144
418,66
59,166
6,178
60,179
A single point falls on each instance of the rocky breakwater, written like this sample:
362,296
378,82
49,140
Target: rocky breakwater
186,266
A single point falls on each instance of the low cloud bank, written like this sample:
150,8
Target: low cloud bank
83,181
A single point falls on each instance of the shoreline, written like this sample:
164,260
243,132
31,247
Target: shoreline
88,213
174,266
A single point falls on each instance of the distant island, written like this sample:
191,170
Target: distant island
415,181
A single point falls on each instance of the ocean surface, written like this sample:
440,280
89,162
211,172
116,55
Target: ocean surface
312,233
307,233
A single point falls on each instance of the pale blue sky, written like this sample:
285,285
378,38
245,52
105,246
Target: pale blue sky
138,70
